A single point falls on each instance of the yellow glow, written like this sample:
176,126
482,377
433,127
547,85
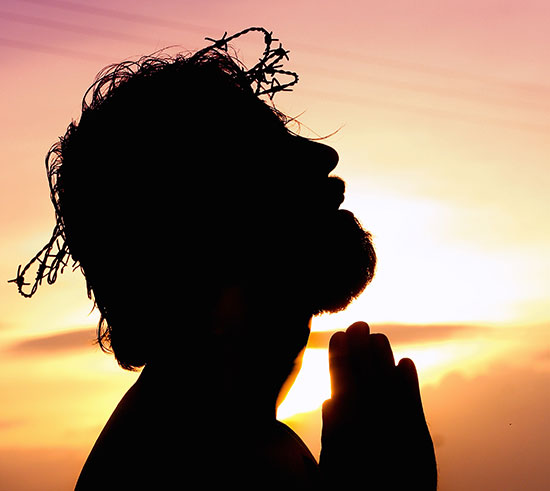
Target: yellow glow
312,386
449,173
426,274
433,361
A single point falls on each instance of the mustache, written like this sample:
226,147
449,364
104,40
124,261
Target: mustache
335,190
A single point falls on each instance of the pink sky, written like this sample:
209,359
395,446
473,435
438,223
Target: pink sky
444,110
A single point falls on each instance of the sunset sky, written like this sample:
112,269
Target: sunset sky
443,117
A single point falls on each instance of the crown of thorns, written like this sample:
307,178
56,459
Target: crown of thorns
263,75
263,78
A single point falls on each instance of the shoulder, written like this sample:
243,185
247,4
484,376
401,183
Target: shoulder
141,445
114,447
292,440
292,463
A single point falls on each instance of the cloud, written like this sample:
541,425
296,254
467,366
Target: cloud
77,339
23,468
7,424
543,355
406,333
80,339
494,426
491,430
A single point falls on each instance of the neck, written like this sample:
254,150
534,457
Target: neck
212,385
237,360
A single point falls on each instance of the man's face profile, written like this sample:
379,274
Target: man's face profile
221,192
334,257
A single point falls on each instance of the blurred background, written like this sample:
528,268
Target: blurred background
443,117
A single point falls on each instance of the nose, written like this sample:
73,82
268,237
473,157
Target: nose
330,157
322,157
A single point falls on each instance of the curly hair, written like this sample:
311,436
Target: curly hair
180,181
134,117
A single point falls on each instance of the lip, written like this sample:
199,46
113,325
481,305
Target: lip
346,213
336,191
339,200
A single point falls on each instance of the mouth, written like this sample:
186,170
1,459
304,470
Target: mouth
336,190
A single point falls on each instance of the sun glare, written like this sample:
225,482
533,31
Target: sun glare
428,274
312,386
433,361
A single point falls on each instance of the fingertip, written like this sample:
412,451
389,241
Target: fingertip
381,340
338,336
337,341
406,361
407,364
359,326
409,375
382,349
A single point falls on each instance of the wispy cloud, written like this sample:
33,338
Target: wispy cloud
543,355
77,339
478,423
6,424
406,333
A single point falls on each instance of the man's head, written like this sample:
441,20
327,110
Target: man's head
179,182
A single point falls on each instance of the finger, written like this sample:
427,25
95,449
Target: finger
383,361
338,359
359,328
358,335
410,387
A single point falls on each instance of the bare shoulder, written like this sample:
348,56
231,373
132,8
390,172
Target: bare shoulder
292,459
142,446
117,443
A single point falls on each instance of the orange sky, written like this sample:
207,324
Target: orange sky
444,117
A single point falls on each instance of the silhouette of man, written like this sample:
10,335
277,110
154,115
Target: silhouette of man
210,235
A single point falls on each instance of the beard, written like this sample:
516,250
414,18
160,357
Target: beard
312,257
342,263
